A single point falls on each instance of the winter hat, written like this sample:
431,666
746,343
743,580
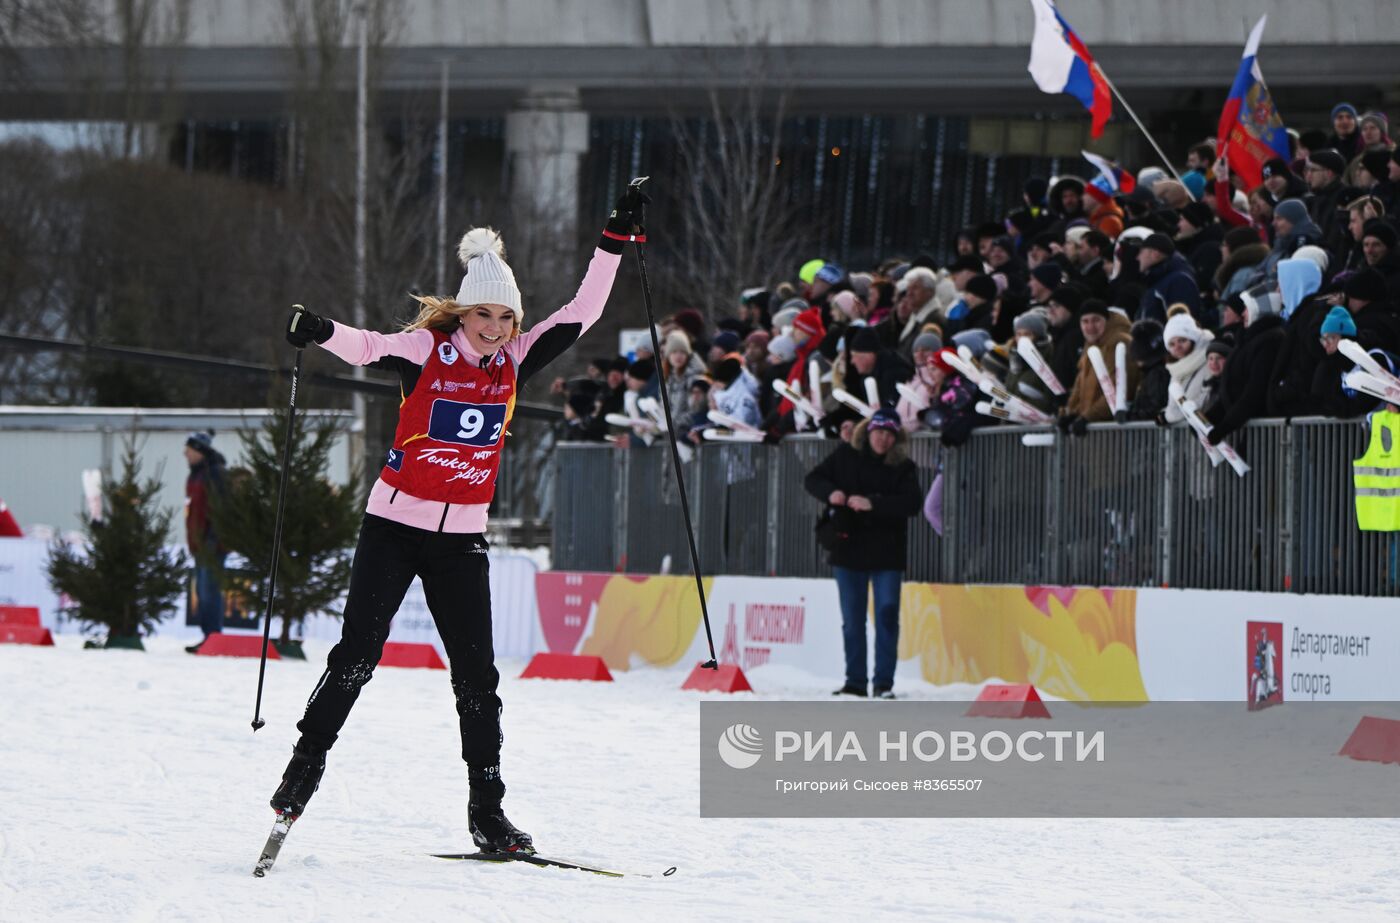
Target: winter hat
1048,274
676,342
1318,255
845,302
1182,326
1149,176
1379,120
581,403
1291,210
488,279
203,443
1199,214
808,272
1004,243
1219,348
1312,139
860,284
1275,167
981,286
1367,285
1235,238
1338,321
939,360
1063,183
1377,163
1093,306
1069,297
1147,341
1033,322
885,419
810,321
1195,183
692,322
967,263
618,365
830,273
1381,231
928,341
725,371
642,370
1328,159
976,339
1340,108
759,338
783,348
864,340
1035,189
726,340
1159,242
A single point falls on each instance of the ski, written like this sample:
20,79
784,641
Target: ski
533,859
274,843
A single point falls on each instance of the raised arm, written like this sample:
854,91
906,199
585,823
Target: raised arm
356,346
546,340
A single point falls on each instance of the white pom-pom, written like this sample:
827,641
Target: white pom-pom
478,241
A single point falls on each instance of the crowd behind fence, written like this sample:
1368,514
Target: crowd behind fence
1124,506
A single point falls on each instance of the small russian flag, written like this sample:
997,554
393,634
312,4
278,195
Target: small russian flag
1111,180
1060,63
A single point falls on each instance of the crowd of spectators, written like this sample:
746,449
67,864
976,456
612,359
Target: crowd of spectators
1240,295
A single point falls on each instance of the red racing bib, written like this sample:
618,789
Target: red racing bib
452,427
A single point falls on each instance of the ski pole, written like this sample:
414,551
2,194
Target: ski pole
258,722
712,663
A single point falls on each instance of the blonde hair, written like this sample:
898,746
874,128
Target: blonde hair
445,314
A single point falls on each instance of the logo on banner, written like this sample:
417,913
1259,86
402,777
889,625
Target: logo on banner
395,460
447,353
740,746
1264,663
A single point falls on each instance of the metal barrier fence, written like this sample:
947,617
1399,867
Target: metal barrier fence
1133,505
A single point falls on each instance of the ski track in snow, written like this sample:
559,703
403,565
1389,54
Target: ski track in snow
133,788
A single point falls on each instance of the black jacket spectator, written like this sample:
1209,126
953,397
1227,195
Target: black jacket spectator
1291,392
878,538
1244,390
1149,351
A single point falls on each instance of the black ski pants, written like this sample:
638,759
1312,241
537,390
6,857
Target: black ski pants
453,568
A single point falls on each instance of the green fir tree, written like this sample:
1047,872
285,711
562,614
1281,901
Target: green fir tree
319,526
127,578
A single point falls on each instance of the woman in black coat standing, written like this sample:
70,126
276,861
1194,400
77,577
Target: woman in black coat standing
871,489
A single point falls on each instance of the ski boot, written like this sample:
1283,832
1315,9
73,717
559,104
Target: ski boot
492,832
299,781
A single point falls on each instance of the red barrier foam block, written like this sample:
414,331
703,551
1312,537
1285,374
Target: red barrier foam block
222,645
405,654
1375,740
20,615
566,666
1017,700
728,678
26,634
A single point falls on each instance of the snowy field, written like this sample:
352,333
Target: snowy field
132,788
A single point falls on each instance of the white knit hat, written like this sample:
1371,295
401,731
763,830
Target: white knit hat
488,279
1184,326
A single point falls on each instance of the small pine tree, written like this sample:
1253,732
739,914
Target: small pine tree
129,578
319,525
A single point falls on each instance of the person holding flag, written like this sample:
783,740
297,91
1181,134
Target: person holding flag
1251,130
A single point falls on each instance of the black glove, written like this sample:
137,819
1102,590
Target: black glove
1120,416
1161,419
1215,436
303,327
626,218
1079,427
1065,421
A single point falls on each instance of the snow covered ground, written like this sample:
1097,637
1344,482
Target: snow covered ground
132,788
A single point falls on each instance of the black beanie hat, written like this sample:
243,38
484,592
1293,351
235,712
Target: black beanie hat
642,370
1312,139
1199,214
981,286
1219,348
1329,159
966,264
1380,230
1069,297
1159,242
581,403
864,340
1377,163
1093,306
1367,285
1147,343
726,370
1035,189
1275,167
618,365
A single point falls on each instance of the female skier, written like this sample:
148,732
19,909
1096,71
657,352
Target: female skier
462,362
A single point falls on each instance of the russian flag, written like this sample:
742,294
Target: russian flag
1061,64
1111,180
1251,130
